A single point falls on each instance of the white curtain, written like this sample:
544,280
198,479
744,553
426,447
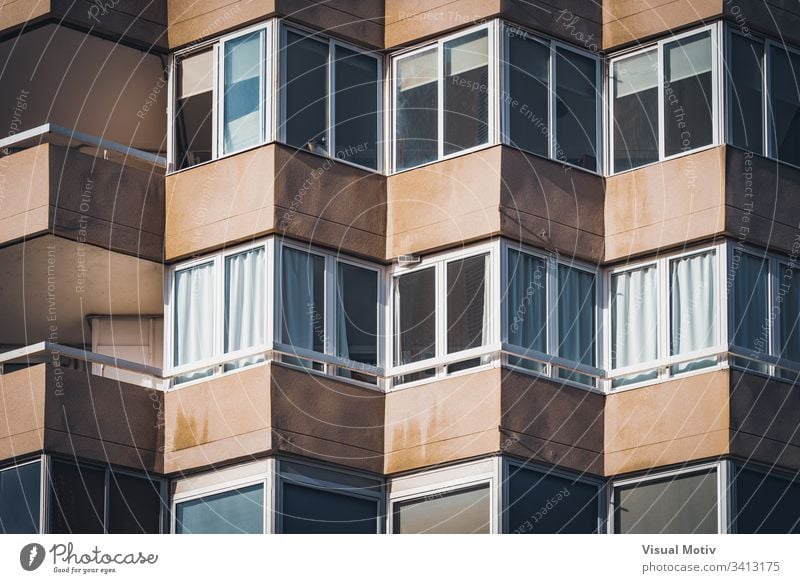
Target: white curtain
634,321
576,322
302,317
245,303
194,316
693,293
527,304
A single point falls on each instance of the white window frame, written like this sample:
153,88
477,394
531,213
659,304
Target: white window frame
550,360
717,83
442,359
493,95
729,32
217,312
207,484
448,480
723,490
330,130
344,482
331,274
560,472
664,361
771,145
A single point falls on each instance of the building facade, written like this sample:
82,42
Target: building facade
399,267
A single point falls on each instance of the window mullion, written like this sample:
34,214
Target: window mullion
440,99
661,109
330,101
551,294
551,104
331,308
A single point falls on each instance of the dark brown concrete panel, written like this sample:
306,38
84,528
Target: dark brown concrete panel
22,419
25,193
667,423
221,420
221,202
443,421
322,418
329,203
545,421
628,21
106,204
410,21
765,425
444,204
779,18
135,22
578,22
101,419
358,21
762,203
190,21
549,205
666,204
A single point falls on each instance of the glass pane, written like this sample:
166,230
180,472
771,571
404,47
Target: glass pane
77,499
468,309
684,504
238,511
750,323
576,320
194,109
245,303
693,307
688,94
303,292
576,109
788,297
528,88
134,505
466,92
766,504
634,321
19,499
746,93
305,93
635,83
357,314
313,511
356,107
543,503
415,316
194,317
527,305
242,114
785,105
460,512
416,110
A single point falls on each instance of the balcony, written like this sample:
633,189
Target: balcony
717,191
275,189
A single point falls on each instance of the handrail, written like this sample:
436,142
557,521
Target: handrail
83,138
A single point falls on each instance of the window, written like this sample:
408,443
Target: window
219,308
462,285
458,70
765,503
331,98
545,501
664,100
550,310
326,305
237,511
681,503
194,107
315,500
78,494
662,313
463,511
745,92
784,104
19,499
243,118
566,127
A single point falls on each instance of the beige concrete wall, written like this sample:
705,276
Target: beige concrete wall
666,204
627,21
25,208
275,189
667,423
22,420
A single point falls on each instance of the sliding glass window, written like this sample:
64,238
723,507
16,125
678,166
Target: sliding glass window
460,511
664,100
784,104
330,95
527,105
576,115
745,104
443,98
236,511
20,488
193,125
243,118
577,322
